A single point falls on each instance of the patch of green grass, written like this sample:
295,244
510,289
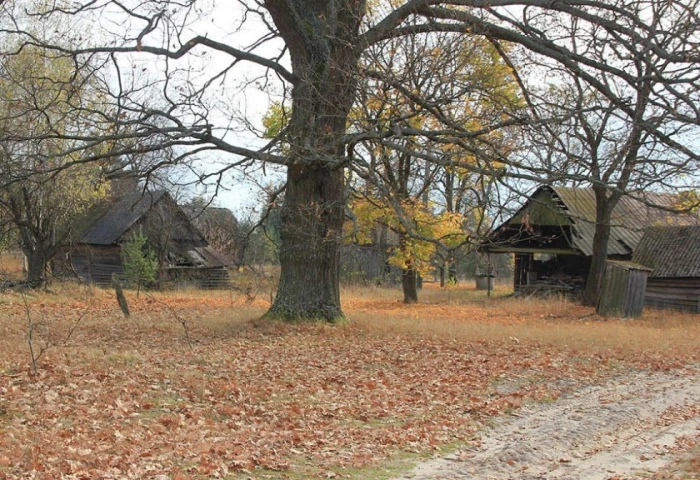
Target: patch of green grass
398,464
157,405
10,370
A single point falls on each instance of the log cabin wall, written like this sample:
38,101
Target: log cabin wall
673,252
674,293
90,263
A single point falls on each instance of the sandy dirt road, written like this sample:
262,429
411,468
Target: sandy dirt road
629,427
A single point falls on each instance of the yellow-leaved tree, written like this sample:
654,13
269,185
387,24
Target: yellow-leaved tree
433,191
419,234
426,165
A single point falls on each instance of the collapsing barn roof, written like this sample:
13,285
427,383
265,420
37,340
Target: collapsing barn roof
672,252
572,213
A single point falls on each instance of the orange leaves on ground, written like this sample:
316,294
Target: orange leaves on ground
128,398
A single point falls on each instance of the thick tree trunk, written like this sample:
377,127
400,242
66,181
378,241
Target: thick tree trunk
594,282
409,282
322,41
312,221
241,250
36,267
452,268
595,274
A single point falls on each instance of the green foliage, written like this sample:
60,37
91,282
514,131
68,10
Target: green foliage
140,263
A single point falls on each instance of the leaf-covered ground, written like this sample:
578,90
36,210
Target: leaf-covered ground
230,396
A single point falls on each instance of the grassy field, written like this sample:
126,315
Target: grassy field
10,265
193,385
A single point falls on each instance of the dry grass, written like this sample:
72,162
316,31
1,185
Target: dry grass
10,265
256,399
465,313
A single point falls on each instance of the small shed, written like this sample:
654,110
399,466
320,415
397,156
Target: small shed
674,255
622,293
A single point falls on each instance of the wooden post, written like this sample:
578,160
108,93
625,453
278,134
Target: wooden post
488,274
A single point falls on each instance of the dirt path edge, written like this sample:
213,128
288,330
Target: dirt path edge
631,426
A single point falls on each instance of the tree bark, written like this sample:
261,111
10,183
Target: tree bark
322,41
36,267
409,282
597,270
312,221
452,268
604,208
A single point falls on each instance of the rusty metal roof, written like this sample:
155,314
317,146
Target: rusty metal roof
670,251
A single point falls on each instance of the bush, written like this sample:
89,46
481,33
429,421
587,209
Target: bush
140,263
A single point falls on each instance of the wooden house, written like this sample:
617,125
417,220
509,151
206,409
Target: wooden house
368,263
551,235
673,254
184,255
221,229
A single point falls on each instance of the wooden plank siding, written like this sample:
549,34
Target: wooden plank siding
622,293
674,293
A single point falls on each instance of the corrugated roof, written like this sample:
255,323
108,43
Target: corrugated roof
108,225
670,251
576,207
629,218
627,265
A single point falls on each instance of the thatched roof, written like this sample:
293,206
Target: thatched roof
576,208
670,251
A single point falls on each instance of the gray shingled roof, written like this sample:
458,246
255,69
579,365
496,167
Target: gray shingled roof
105,227
670,251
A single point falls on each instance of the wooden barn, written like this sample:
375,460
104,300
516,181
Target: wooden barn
368,263
673,254
551,235
184,255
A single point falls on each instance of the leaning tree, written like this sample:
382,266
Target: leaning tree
178,71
